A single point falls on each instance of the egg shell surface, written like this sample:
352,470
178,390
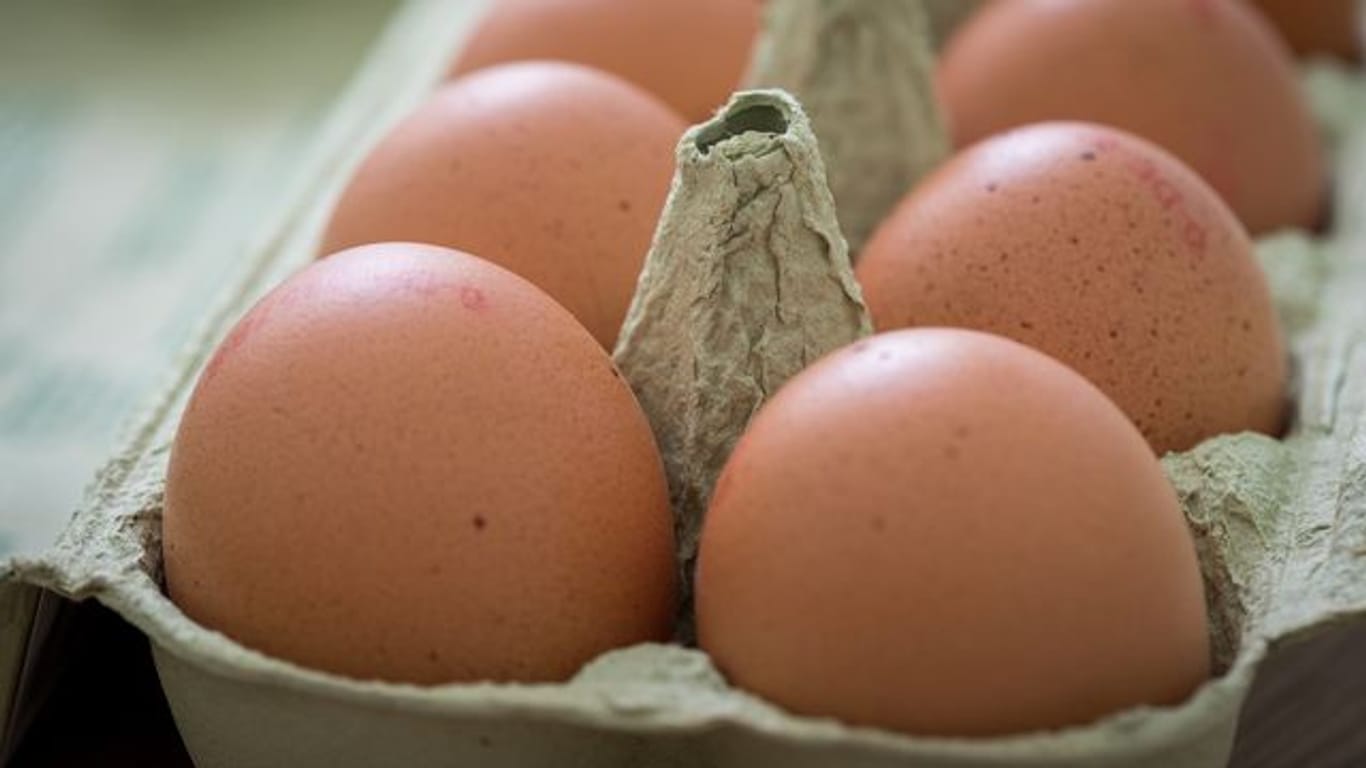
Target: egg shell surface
1209,80
554,171
1107,253
944,532
691,53
408,464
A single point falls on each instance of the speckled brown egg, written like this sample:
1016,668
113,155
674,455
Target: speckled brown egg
406,463
1107,253
554,171
947,533
1209,80
1314,27
690,53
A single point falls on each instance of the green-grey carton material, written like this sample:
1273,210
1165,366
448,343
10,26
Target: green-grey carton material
1280,525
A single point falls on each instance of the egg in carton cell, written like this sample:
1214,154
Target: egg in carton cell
1262,511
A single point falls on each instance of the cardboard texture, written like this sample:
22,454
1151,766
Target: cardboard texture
862,71
747,281
1281,524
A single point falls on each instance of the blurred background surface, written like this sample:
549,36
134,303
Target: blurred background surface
143,143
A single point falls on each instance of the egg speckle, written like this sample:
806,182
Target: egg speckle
1103,251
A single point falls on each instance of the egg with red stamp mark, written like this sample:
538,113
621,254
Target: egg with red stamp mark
1104,251
1209,80
408,464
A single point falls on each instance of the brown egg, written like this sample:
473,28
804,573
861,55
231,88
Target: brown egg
947,533
691,53
554,171
1330,27
409,464
1206,79
1107,253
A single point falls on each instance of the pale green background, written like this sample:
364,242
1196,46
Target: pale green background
142,144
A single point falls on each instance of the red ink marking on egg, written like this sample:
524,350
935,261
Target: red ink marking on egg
1168,196
1204,10
426,286
1195,235
246,328
1142,167
472,298
226,350
1103,141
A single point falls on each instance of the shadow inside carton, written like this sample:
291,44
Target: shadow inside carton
90,696
1307,707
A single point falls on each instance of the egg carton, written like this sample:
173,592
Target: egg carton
1280,525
